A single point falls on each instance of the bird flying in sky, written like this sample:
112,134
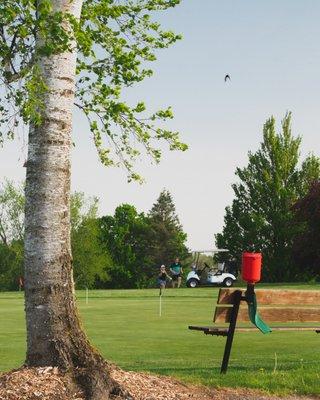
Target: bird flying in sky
227,77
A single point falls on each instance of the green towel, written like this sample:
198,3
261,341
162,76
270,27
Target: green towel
255,318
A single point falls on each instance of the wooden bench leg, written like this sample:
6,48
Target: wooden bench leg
232,326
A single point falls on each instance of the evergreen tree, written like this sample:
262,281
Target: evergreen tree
168,238
260,217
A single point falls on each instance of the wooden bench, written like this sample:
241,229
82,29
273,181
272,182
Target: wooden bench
281,306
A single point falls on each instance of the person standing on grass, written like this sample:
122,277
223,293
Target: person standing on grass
176,270
162,278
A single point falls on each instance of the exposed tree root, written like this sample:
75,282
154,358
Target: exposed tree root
97,384
61,342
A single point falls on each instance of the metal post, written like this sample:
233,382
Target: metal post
232,326
249,295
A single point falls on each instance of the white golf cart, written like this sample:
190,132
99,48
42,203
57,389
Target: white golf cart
204,274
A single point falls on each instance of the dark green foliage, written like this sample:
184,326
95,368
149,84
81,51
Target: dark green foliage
120,251
306,251
126,235
260,217
139,243
167,236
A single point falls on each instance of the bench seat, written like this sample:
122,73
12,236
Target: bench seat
223,331
210,330
290,310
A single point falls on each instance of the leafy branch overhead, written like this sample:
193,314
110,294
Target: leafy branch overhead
116,41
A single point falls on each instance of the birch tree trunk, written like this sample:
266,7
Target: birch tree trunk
54,334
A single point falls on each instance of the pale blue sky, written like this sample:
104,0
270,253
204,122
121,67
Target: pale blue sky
271,50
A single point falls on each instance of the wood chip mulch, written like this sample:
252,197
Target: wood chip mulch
35,384
49,384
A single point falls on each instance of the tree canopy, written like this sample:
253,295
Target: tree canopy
90,260
11,235
168,237
260,217
126,235
123,250
306,253
116,41
11,212
140,243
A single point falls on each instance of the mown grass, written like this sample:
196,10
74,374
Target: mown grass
126,327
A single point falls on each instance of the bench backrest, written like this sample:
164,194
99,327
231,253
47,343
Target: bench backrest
274,305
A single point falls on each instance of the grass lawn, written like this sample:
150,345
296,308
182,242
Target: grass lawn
126,327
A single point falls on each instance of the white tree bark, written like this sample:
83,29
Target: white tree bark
47,223
54,335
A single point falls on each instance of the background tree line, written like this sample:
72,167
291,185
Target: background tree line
123,250
276,207
275,210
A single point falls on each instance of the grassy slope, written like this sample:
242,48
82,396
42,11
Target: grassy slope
126,327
